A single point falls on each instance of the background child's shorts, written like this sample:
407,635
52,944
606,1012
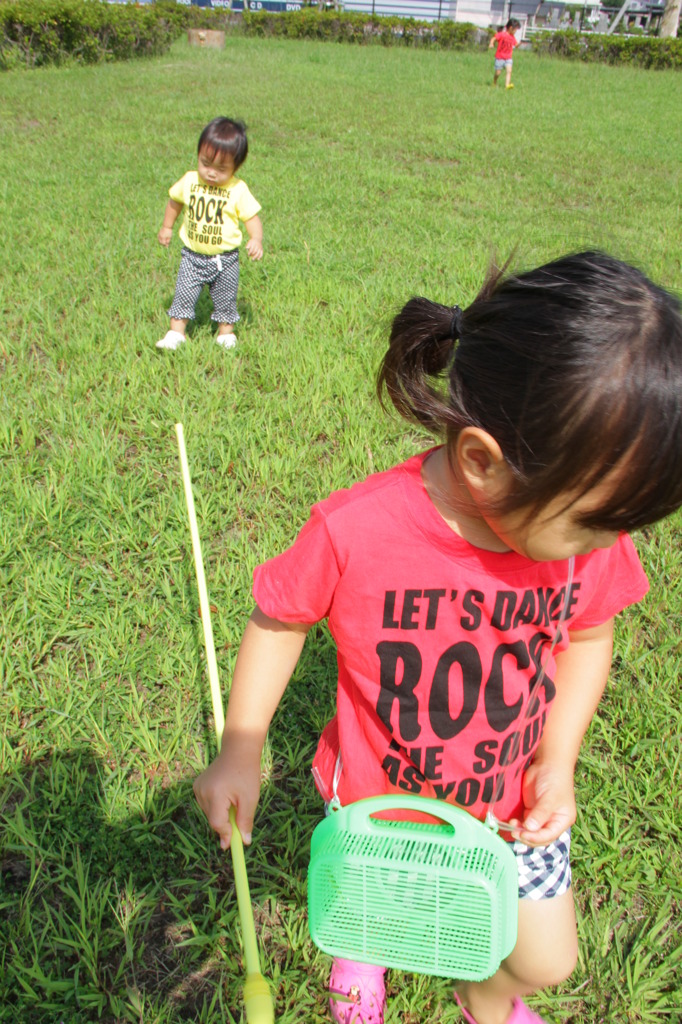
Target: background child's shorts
500,64
219,272
544,871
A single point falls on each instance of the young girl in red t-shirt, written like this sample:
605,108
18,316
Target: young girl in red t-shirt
506,41
451,581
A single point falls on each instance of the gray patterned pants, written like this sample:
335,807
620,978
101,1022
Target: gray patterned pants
220,273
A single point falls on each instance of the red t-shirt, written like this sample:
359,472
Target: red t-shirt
439,642
505,45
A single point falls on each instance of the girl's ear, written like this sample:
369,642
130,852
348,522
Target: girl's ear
482,465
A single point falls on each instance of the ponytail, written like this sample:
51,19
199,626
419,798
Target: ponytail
421,350
574,368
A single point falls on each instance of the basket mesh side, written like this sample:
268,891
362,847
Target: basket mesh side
425,920
421,850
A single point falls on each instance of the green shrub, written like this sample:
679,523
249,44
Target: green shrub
34,33
643,52
354,27
455,35
39,32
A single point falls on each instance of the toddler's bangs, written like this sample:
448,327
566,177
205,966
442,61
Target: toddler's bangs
211,150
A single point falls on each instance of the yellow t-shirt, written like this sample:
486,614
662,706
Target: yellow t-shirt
212,213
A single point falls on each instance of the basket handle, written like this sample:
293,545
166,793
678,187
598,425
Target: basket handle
358,815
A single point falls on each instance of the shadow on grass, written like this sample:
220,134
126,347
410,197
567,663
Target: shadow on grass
116,902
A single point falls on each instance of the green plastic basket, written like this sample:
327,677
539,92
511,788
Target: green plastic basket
435,899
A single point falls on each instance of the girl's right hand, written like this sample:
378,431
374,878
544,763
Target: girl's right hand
267,656
164,236
223,785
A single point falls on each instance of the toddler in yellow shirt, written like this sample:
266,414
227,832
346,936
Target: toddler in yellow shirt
214,202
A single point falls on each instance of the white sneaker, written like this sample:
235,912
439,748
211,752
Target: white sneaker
173,339
226,340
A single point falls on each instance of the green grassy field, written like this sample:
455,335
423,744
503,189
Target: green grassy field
382,173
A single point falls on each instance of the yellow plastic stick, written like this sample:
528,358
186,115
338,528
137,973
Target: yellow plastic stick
216,699
257,997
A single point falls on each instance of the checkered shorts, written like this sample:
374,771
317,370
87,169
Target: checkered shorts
544,871
219,272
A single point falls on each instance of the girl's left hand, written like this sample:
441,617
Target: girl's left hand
549,799
254,249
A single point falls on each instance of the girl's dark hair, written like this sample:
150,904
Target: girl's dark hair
575,369
223,135
512,23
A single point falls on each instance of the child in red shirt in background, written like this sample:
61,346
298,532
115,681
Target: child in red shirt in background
506,41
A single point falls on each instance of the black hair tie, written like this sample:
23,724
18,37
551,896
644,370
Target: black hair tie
456,323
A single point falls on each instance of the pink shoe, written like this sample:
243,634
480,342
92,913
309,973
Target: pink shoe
521,1014
357,993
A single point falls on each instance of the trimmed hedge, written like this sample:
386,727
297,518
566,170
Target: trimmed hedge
638,51
34,33
309,23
